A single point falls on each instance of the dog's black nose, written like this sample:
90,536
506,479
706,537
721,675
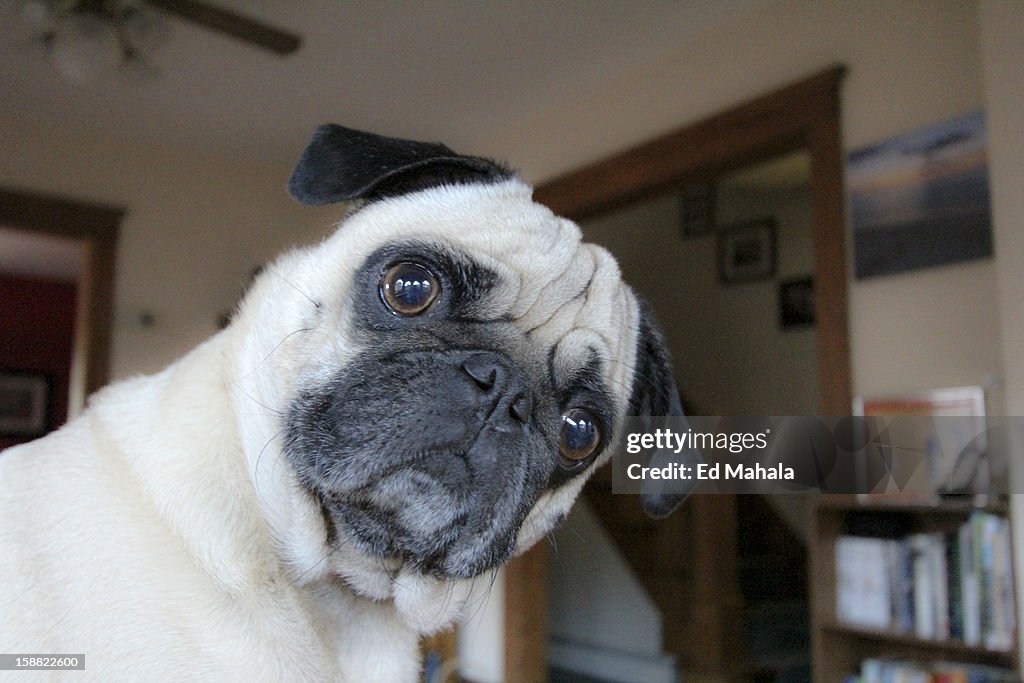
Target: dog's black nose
522,407
483,368
504,390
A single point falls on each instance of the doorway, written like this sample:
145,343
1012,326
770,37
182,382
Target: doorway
40,380
59,259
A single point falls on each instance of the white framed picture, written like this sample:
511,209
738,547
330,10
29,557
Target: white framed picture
927,443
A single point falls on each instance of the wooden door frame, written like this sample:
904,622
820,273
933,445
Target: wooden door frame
98,226
802,116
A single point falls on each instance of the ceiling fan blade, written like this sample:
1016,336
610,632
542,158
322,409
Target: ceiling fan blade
232,24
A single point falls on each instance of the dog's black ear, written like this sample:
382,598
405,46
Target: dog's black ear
341,164
655,400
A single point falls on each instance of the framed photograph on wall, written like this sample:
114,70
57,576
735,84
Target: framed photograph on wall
24,403
697,210
796,303
921,200
747,251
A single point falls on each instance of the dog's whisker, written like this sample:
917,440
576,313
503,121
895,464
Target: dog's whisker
272,351
259,459
272,411
480,603
276,273
316,565
552,541
475,603
392,576
574,531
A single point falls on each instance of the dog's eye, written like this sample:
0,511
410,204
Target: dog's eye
408,288
580,435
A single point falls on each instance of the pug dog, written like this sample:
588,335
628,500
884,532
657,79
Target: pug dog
391,415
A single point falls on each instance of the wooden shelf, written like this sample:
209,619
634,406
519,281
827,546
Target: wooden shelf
944,507
949,648
840,648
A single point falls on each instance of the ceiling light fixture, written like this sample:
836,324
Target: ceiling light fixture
91,39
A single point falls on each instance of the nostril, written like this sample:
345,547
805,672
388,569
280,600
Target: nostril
482,369
522,408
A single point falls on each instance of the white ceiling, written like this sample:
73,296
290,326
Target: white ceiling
458,71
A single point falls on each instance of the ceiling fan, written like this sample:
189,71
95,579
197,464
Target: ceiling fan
87,36
233,24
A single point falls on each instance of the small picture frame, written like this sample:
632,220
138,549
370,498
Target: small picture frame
747,251
24,404
796,303
932,443
697,210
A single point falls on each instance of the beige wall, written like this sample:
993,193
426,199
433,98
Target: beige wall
1002,30
1003,49
730,355
195,226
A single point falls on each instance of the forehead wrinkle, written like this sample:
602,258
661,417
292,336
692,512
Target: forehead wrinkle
554,288
597,318
609,314
561,310
546,257
602,307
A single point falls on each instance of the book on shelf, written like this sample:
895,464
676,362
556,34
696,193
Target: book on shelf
933,586
884,670
926,613
863,581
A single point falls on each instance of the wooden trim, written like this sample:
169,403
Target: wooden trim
714,626
829,234
526,611
804,115
98,225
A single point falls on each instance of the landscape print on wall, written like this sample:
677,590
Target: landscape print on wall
921,200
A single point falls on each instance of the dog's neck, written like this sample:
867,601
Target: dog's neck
222,529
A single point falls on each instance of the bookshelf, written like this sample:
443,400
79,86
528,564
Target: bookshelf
840,642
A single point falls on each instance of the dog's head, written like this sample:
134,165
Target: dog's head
443,373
